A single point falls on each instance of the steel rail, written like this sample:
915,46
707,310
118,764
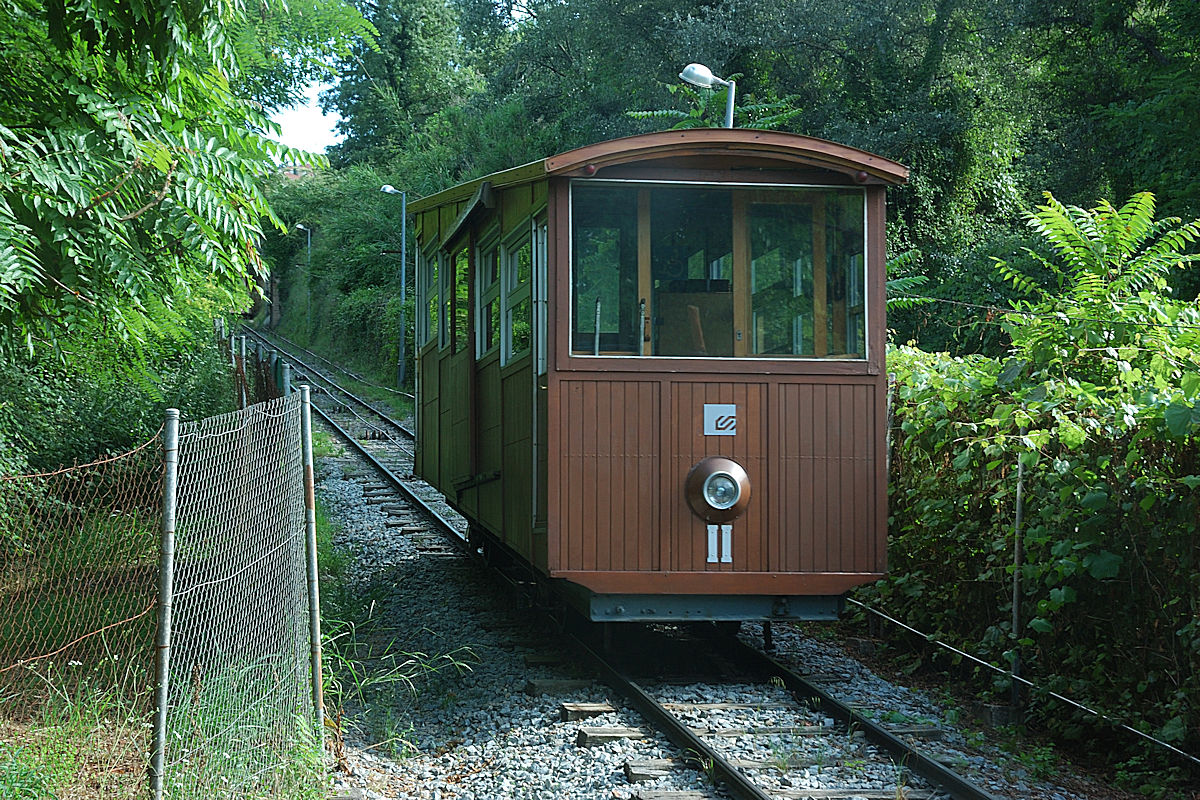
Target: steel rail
697,752
317,355
314,370
448,528
958,786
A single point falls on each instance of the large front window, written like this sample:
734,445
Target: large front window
673,270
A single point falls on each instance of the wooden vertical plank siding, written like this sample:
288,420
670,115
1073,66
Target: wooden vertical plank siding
621,434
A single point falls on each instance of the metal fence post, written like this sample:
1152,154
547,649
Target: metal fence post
1018,558
314,595
286,385
166,575
245,388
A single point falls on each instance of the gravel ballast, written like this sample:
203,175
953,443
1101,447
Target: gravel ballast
475,732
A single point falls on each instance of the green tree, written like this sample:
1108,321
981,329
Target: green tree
130,168
388,89
1111,326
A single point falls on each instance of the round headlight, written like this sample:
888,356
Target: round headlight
721,490
717,489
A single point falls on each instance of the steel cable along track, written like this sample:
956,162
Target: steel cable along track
332,388
293,348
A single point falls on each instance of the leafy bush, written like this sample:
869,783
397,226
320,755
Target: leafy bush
105,396
1097,402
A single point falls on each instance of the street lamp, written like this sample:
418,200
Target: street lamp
307,281
401,360
701,76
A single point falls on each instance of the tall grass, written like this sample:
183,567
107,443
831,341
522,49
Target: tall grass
89,743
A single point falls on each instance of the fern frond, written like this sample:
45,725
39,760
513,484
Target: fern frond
1136,223
1019,280
1070,231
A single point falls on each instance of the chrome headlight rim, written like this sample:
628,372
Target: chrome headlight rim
701,478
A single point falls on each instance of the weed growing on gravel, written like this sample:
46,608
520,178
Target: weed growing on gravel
325,446
370,674
707,766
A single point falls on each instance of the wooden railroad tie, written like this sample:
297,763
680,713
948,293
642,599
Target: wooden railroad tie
795,794
655,768
927,732
573,712
591,737
545,660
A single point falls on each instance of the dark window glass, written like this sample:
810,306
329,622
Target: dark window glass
675,270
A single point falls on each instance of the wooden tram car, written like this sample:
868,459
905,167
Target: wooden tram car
653,370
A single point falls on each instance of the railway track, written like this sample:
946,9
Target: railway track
806,739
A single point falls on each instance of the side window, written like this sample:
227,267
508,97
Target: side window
445,298
455,316
516,275
487,322
427,297
541,312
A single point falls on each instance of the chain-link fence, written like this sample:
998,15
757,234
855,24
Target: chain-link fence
209,549
78,582
239,718
259,374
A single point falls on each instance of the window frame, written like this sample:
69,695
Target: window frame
513,295
428,275
862,362
489,293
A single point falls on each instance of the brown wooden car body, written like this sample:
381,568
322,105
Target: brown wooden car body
568,442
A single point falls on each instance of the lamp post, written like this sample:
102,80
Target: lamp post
401,359
307,281
701,76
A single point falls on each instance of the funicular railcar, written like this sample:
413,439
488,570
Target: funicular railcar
653,369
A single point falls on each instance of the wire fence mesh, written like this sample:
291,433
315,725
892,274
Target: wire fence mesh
81,561
239,719
256,370
78,581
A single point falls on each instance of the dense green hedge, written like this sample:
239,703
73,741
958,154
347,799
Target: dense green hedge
1098,402
1110,591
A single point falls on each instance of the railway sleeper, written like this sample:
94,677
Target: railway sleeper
651,769
573,712
796,794
591,737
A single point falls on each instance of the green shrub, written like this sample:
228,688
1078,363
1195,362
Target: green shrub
1097,402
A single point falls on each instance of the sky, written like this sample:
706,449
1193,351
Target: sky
305,127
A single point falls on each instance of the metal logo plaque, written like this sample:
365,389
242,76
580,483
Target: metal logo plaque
720,419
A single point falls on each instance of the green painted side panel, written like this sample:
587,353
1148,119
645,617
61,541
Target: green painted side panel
517,441
425,465
490,493
453,428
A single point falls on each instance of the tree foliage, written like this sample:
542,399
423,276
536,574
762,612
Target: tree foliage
388,90
130,167
1096,400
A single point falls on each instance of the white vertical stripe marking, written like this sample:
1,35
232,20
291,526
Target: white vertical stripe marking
726,544
712,544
